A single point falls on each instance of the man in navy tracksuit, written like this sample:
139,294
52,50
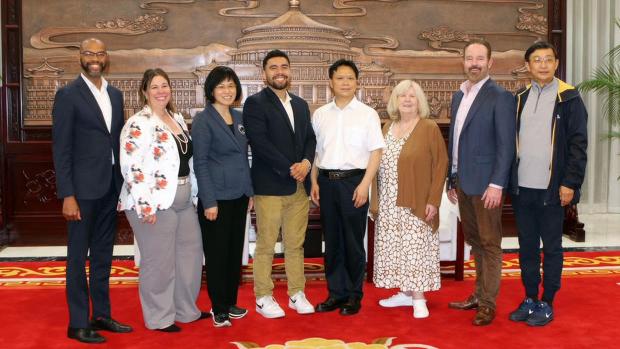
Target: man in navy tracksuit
547,174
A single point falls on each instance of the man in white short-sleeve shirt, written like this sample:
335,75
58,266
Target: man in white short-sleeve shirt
348,151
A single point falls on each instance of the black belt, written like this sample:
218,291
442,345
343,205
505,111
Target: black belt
341,174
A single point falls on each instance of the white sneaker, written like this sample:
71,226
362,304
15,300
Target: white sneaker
300,303
420,310
268,307
398,300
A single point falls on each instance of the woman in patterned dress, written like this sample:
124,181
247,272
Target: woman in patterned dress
409,187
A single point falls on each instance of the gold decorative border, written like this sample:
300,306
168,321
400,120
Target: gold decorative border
124,275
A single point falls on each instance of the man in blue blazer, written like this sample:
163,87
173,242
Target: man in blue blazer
87,121
481,149
282,140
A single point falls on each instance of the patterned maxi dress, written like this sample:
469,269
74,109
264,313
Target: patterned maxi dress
406,248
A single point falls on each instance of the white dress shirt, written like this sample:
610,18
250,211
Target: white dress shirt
289,110
346,137
469,95
103,100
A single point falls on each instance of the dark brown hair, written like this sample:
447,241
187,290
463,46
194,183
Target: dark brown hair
478,41
148,76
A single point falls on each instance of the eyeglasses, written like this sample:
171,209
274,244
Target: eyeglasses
546,60
90,54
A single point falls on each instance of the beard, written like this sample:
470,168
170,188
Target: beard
279,85
475,76
86,67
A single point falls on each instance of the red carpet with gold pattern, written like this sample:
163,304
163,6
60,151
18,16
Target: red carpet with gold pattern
34,314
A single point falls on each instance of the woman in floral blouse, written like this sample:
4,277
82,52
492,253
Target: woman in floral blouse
158,197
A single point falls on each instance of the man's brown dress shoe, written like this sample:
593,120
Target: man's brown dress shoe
470,303
484,316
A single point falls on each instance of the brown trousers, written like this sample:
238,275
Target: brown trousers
289,213
483,232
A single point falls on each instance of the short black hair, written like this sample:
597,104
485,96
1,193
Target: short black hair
540,45
339,63
216,76
479,41
274,53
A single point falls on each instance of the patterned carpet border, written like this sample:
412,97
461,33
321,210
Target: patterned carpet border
125,274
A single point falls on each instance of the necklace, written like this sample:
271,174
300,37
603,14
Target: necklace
181,138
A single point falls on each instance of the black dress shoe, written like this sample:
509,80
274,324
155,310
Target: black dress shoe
204,315
351,307
85,335
329,305
109,324
170,329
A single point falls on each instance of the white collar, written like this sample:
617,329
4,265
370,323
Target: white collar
352,104
476,87
104,83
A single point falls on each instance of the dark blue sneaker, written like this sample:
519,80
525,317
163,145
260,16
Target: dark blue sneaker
542,315
525,309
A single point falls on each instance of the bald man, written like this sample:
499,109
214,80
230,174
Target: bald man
87,121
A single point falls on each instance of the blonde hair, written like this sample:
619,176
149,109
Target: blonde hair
402,87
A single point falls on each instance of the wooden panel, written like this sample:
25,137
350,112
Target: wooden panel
29,209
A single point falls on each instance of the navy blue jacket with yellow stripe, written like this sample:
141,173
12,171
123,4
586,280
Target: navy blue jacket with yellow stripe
569,142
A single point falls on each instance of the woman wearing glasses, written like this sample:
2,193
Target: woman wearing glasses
224,190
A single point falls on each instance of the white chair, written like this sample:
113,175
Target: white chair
450,238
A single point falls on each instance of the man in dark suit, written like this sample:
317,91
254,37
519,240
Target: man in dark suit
481,148
278,128
87,121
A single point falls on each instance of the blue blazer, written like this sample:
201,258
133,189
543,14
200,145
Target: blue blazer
275,147
220,157
487,142
82,146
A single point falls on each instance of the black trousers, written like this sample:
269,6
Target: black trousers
94,233
222,242
537,221
344,227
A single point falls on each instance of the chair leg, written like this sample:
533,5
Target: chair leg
459,263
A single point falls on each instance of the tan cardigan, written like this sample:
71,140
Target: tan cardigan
422,166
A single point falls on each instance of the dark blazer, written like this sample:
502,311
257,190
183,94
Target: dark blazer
275,147
487,143
220,158
81,143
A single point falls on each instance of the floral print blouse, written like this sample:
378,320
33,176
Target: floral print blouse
149,162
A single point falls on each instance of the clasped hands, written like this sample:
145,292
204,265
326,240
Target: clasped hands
300,170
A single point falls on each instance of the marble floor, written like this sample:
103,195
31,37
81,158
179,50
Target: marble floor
602,233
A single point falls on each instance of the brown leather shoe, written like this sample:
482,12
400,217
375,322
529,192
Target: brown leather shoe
470,303
484,316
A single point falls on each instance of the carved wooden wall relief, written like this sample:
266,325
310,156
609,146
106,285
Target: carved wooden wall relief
390,40
314,36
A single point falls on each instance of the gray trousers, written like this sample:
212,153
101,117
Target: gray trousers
171,262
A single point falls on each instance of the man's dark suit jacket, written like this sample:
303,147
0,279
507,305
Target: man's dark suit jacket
275,147
487,143
82,145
